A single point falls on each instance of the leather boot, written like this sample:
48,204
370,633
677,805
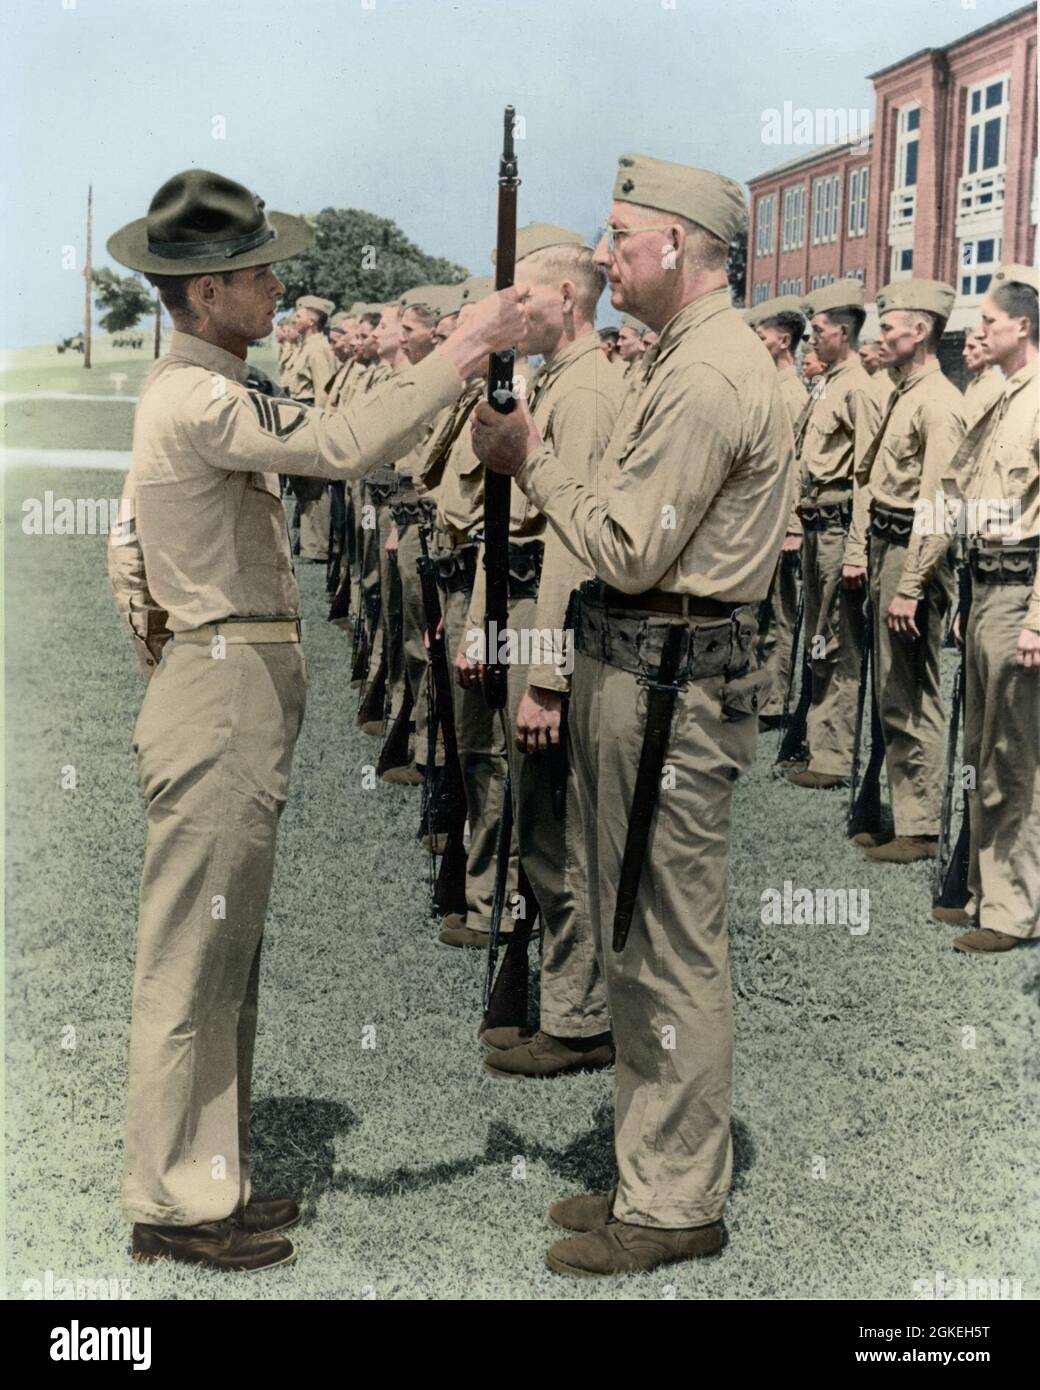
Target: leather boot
618,1248
221,1245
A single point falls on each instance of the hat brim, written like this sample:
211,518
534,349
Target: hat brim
129,246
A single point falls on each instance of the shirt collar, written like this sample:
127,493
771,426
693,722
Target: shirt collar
573,352
199,353
921,374
1021,378
689,317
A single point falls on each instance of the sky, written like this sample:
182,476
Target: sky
396,106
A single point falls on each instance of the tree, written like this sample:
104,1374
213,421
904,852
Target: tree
356,255
126,297
736,269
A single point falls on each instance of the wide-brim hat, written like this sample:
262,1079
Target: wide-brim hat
199,223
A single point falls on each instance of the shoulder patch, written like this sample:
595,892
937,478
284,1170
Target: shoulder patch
278,416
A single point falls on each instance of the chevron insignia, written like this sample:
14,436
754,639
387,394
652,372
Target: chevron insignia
277,416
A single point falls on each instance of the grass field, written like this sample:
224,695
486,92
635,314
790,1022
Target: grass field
885,1087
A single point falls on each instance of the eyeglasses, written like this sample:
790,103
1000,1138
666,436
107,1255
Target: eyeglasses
612,233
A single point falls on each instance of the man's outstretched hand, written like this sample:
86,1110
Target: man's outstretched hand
502,442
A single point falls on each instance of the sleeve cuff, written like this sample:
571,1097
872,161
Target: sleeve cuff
539,476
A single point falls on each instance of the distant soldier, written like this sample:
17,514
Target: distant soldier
630,343
921,430
313,368
986,382
683,533
872,361
840,427
608,342
780,324
452,473
995,478
574,401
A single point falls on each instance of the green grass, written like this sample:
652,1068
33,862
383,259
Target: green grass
848,1048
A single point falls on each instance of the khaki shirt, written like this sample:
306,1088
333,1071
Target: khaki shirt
841,427
792,392
694,489
980,393
313,369
338,389
288,356
922,431
998,464
452,472
202,498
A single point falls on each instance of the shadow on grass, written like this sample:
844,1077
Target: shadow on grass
294,1146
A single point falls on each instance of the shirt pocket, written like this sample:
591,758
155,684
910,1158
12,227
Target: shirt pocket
260,531
1017,468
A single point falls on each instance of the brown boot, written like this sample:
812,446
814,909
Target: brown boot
618,1248
502,1039
870,839
904,849
984,942
222,1245
815,781
406,776
586,1212
462,936
373,727
546,1055
276,1215
952,916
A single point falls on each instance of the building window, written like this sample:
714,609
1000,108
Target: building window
760,292
826,208
902,262
857,274
791,286
859,185
979,257
793,231
765,227
985,136
908,139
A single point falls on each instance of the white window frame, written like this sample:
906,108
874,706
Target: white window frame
859,192
793,232
904,139
765,225
972,269
979,120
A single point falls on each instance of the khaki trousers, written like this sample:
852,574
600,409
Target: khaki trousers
831,722
482,754
315,520
573,991
669,991
776,633
906,675
1002,744
373,531
413,620
214,743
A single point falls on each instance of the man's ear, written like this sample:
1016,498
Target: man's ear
202,293
569,296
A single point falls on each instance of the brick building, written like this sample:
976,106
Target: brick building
944,187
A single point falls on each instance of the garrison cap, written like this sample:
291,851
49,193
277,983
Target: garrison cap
420,297
450,301
933,296
315,302
627,321
476,288
338,320
770,308
711,200
357,308
200,223
538,236
843,294
1017,275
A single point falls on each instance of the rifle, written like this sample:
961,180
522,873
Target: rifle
394,752
950,885
792,746
500,397
451,882
866,811
506,1005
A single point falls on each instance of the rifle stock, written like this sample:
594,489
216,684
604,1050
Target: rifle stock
950,885
867,812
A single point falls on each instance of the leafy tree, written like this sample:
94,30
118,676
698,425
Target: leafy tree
736,269
126,298
356,255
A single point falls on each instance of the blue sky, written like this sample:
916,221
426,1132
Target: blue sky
395,106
